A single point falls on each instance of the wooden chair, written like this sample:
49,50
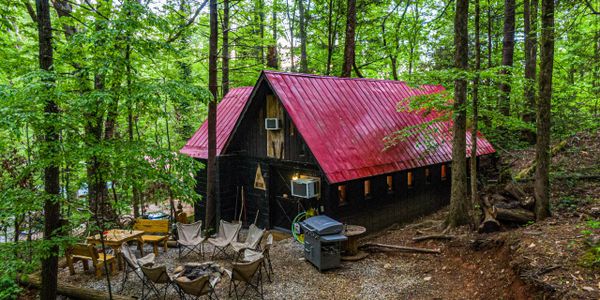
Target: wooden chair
159,230
85,253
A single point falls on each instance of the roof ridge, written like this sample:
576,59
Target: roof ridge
297,74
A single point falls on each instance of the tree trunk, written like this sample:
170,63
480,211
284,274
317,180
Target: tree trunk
261,29
508,49
135,191
349,47
51,172
329,36
474,193
212,120
291,19
530,19
542,148
459,208
303,55
225,59
272,57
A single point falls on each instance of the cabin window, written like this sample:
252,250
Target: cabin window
427,176
443,172
390,183
342,195
367,188
409,179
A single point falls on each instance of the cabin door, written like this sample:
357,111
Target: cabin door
282,208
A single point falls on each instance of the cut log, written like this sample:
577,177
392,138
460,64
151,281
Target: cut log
516,215
433,237
514,191
508,205
528,202
401,248
489,223
497,198
71,291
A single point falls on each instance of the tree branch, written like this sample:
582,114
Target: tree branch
187,24
30,10
589,5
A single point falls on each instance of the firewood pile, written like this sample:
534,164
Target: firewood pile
510,205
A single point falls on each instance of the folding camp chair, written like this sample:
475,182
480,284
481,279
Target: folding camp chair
249,273
252,241
250,255
154,276
196,288
190,238
228,232
132,265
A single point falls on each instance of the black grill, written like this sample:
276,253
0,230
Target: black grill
322,241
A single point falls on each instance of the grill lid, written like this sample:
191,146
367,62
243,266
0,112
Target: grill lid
322,225
333,238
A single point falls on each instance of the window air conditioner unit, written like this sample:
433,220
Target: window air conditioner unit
272,124
305,188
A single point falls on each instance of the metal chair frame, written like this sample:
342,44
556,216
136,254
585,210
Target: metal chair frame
146,282
257,286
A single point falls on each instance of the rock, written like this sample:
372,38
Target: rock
387,266
427,278
531,245
588,288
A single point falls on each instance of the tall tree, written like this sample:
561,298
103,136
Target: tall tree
542,148
211,168
272,56
51,150
459,208
508,50
474,193
291,21
330,36
350,43
225,59
530,29
302,24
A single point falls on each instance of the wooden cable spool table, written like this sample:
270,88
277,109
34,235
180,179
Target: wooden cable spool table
350,246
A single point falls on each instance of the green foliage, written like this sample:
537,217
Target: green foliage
591,258
142,67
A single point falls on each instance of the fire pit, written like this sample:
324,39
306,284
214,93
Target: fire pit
196,270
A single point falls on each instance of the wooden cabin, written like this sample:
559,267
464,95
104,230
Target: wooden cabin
324,136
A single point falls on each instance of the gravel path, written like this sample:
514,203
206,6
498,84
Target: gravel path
376,277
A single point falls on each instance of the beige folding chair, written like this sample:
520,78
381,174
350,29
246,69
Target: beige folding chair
196,288
228,232
252,241
248,273
250,255
190,238
132,264
156,275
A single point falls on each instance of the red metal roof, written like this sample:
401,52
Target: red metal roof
228,112
344,121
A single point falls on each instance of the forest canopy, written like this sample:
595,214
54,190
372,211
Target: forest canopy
129,81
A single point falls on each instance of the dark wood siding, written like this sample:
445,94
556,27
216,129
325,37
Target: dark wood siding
251,138
383,208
